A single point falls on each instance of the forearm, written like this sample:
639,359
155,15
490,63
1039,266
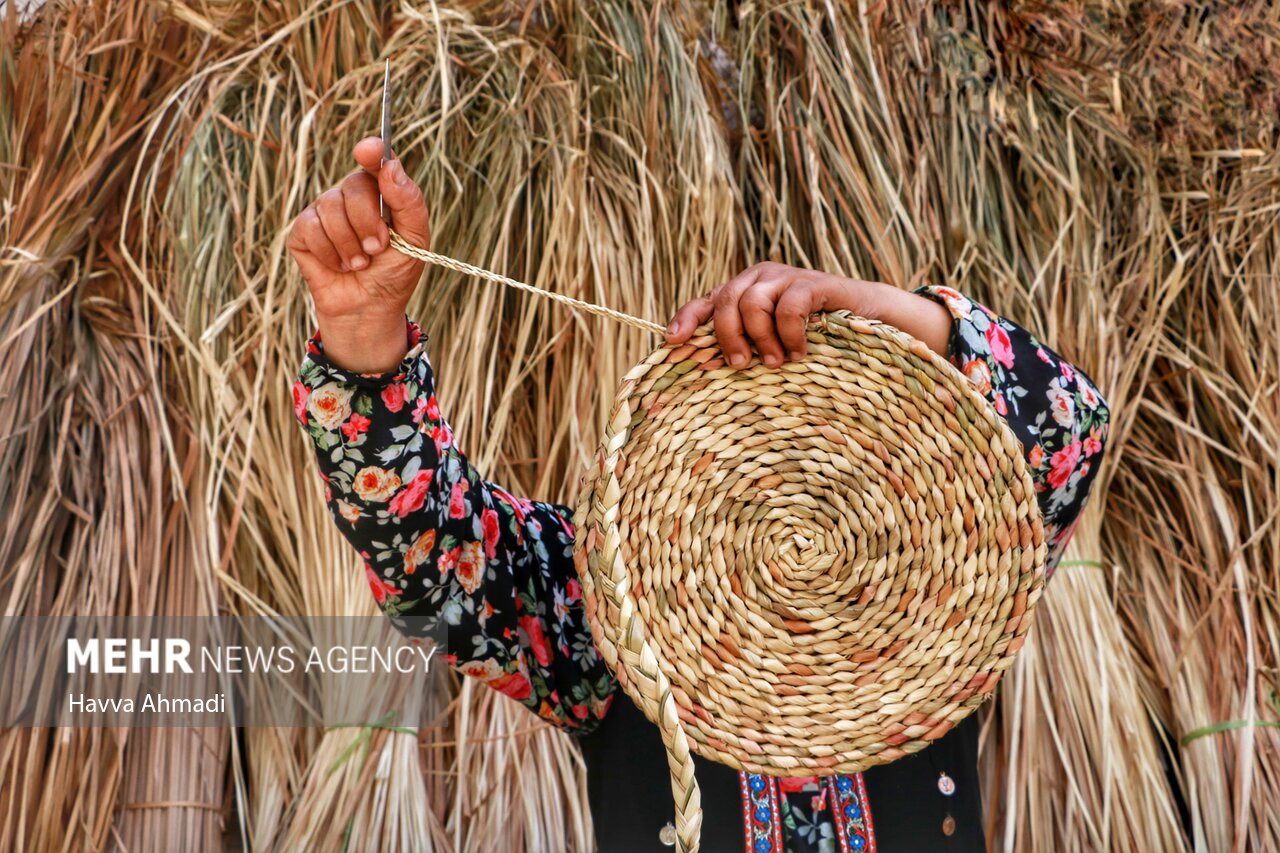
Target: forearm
448,554
923,318
1052,406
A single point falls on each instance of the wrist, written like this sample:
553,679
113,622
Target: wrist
372,343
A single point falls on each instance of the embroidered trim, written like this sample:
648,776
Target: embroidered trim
761,824
854,828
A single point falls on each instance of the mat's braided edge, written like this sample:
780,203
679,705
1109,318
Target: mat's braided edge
404,246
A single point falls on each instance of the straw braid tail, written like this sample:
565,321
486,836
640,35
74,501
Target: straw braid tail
648,678
404,246
606,584
684,786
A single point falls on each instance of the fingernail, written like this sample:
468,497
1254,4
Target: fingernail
795,356
359,262
398,174
371,244
772,360
737,359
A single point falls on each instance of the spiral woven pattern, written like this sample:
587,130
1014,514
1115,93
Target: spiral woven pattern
808,569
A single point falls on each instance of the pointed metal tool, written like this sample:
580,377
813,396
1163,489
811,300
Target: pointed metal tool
386,134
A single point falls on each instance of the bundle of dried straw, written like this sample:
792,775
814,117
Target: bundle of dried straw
1106,174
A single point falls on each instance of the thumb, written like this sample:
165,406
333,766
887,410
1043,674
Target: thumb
399,192
404,197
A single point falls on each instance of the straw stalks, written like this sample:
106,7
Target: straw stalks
1104,174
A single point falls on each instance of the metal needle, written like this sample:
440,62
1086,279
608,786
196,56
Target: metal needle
386,134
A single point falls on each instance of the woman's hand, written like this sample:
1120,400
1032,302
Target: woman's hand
341,245
769,305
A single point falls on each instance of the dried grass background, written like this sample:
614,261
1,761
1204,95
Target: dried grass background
1105,173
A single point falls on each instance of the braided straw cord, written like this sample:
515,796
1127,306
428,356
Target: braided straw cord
810,569
421,254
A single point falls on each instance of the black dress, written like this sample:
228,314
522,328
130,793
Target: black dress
911,812
450,554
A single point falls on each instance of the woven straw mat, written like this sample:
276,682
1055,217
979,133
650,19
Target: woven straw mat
808,569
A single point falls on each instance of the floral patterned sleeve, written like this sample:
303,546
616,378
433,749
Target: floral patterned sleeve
447,553
1054,409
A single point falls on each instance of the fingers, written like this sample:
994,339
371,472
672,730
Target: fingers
332,209
756,306
399,192
341,229
313,267
360,195
728,318
767,306
693,314
791,314
312,247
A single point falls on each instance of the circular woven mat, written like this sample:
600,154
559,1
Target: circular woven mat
809,569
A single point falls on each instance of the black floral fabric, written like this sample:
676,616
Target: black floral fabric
448,553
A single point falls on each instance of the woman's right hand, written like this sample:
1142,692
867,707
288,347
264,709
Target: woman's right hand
360,285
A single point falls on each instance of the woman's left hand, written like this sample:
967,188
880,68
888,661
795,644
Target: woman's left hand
769,305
